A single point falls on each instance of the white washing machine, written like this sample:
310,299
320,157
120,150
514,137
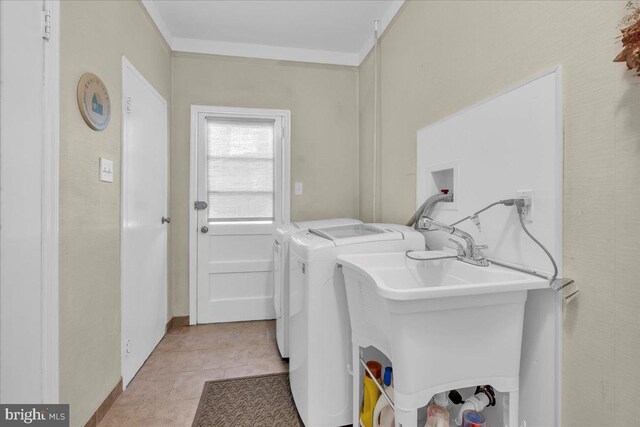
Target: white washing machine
281,272
319,330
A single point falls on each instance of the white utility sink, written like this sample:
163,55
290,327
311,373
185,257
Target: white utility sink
399,277
443,323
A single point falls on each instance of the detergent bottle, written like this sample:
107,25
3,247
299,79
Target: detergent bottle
437,416
371,393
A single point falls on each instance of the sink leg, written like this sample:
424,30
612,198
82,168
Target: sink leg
406,418
514,400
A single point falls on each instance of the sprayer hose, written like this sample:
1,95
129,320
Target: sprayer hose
553,261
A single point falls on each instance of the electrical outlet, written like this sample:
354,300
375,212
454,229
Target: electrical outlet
528,212
298,188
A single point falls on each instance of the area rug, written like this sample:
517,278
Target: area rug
264,400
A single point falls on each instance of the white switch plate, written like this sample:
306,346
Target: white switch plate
106,170
298,188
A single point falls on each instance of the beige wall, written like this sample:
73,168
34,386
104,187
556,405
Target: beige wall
366,123
439,57
324,136
94,36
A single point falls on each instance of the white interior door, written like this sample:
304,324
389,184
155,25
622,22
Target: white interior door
144,230
242,175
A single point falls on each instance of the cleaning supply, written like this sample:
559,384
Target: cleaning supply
437,416
387,417
371,393
383,415
387,378
473,419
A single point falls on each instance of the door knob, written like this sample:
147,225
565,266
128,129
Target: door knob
204,229
167,220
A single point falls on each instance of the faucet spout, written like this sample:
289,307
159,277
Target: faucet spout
470,252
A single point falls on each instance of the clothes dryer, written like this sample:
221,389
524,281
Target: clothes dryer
281,272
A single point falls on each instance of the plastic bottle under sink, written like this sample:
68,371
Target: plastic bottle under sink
383,415
473,419
371,394
437,416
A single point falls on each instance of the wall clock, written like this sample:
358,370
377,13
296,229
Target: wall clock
94,102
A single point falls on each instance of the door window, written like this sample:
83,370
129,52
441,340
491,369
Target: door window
240,169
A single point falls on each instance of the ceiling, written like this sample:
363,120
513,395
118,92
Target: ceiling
325,31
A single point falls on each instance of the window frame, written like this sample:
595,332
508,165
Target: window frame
282,175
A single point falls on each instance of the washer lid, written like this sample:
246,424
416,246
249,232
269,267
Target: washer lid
284,231
321,223
356,233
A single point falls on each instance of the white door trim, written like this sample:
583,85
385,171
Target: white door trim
196,110
128,66
50,201
47,324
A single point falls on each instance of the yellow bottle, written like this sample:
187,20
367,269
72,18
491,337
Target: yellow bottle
371,394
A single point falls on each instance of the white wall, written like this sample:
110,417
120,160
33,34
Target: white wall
505,144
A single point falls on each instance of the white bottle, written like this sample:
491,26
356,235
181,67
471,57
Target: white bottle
383,415
437,413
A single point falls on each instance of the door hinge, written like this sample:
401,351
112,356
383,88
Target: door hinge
129,105
200,205
46,24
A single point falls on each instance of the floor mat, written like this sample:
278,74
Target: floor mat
248,402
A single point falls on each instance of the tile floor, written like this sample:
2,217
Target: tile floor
167,389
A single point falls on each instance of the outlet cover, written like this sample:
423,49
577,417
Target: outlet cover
298,188
106,170
528,207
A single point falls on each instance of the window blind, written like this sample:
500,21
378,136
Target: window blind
240,169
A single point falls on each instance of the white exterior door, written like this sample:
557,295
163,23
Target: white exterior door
144,228
242,175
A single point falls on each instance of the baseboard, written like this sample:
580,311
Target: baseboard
177,322
105,406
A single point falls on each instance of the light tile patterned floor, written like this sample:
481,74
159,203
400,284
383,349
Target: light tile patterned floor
167,389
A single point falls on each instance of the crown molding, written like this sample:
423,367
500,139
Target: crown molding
159,21
249,50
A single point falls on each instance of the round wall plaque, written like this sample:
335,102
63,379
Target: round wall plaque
93,101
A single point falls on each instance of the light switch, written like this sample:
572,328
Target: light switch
106,170
298,188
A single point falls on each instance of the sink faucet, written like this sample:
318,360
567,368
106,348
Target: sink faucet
469,253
